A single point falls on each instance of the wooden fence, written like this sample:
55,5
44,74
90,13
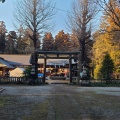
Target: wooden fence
23,80
19,80
12,80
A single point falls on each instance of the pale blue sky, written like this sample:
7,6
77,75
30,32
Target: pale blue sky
6,14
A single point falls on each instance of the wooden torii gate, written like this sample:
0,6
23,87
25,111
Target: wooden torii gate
57,55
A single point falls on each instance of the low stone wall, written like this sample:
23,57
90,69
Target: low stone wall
57,77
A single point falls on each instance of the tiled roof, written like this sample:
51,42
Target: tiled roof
16,59
24,60
2,61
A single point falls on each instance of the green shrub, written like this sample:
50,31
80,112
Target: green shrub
27,71
107,67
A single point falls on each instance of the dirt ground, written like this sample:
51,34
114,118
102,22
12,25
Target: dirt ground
59,102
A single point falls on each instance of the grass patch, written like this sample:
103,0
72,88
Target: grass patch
104,85
39,112
98,106
65,108
4,100
91,100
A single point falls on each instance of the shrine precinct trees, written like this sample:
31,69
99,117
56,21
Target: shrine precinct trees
62,41
111,8
11,41
34,15
107,68
2,36
80,18
48,42
107,39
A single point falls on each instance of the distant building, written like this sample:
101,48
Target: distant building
9,62
17,72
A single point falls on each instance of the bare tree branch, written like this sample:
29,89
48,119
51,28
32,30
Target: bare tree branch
80,18
35,14
109,8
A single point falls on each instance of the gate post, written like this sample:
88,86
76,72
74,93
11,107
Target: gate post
79,68
36,65
70,67
44,70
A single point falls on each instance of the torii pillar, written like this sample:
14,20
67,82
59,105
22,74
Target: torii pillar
44,75
70,68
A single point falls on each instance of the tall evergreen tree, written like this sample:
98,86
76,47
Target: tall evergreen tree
62,41
74,44
107,67
11,39
2,36
48,42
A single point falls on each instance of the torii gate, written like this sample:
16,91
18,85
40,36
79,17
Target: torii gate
57,55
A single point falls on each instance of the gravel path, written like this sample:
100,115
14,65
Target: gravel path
59,102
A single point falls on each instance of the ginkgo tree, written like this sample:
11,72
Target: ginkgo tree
79,22
35,15
111,8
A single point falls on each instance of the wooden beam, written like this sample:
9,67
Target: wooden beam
58,52
57,57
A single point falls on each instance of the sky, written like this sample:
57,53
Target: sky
62,6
